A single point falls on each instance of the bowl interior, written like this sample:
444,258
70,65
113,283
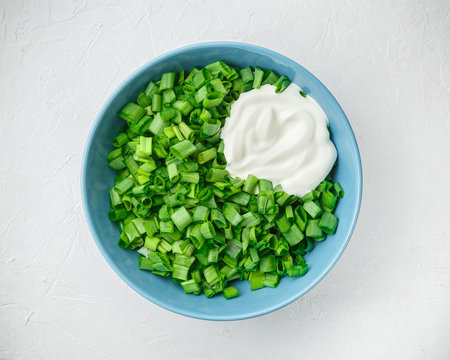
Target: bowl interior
97,178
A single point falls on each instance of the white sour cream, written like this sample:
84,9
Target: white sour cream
279,137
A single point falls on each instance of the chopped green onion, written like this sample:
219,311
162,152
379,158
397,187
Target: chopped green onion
183,149
312,209
207,155
191,287
230,292
167,81
247,74
178,206
294,235
313,229
207,230
212,99
257,78
215,175
232,215
181,218
328,223
338,190
156,102
132,113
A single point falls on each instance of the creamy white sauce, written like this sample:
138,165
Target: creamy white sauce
279,137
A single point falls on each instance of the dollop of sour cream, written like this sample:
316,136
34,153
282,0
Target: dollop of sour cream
282,137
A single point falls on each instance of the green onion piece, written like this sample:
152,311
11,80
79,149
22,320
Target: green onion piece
151,89
178,133
328,200
196,236
201,93
114,197
283,224
131,165
168,114
212,99
168,96
213,255
289,212
156,102
185,130
256,279
300,217
167,81
328,223
215,175
338,190
218,219
287,261
257,78
191,287
218,67
233,248
117,164
207,155
201,78
264,185
166,226
218,86
294,235
230,292
205,194
313,229
180,272
302,93
297,270
312,209
270,78
250,219
172,171
281,84
132,113
205,115
157,125
211,275
181,218
250,184
120,140
247,74
268,263
183,149
117,214
190,177
271,279
237,85
254,255
200,214
309,197
241,198
207,230
232,215
145,145
170,132
185,108
152,242
228,271
209,129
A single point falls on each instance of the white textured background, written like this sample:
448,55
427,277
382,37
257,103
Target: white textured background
387,63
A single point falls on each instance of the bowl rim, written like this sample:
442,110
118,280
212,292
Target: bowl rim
129,80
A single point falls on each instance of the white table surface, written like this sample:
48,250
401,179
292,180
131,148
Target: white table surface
387,63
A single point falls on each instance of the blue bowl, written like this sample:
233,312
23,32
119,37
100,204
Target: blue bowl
97,178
